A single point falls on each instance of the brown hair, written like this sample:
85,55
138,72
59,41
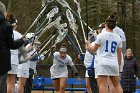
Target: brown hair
63,45
10,15
111,21
101,26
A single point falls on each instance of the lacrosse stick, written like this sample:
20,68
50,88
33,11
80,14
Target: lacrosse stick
43,30
65,4
79,13
37,18
73,26
72,43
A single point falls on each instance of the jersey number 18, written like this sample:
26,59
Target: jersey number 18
113,46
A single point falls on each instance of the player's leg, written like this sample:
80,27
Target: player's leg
110,86
23,75
116,82
11,77
88,85
56,83
28,86
10,83
22,83
102,80
62,84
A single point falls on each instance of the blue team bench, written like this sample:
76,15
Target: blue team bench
39,83
138,85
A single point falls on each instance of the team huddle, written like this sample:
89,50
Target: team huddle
103,59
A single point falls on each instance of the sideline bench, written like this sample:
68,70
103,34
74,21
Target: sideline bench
48,81
138,85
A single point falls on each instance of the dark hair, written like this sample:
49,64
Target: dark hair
11,18
111,21
101,26
10,15
63,45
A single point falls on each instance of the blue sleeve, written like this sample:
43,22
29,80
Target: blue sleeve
92,63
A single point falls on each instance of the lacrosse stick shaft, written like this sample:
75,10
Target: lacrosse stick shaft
87,18
79,13
42,44
46,44
72,43
35,21
77,42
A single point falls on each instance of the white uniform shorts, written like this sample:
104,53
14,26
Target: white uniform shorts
59,75
23,73
14,69
86,74
95,71
108,70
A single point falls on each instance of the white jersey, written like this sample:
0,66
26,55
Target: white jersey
118,31
96,59
14,53
109,42
60,65
88,58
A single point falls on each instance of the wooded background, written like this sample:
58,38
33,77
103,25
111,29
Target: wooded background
98,10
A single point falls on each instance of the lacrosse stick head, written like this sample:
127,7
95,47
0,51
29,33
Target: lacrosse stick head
29,35
46,1
63,3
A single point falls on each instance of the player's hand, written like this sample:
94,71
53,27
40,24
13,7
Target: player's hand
87,44
30,47
30,57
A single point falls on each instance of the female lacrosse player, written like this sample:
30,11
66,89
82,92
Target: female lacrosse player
58,70
109,45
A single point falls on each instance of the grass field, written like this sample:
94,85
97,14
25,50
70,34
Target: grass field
51,92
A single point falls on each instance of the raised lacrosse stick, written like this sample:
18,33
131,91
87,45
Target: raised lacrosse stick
65,4
37,18
79,13
73,26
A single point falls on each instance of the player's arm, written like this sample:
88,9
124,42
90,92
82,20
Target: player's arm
74,70
93,48
124,47
119,55
23,60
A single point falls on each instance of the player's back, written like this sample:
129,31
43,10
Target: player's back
109,42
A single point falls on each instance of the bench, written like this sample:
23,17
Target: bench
138,85
70,81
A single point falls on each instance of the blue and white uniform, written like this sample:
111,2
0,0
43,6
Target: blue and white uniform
107,59
121,33
59,67
88,60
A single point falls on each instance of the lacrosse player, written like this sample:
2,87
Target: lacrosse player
58,70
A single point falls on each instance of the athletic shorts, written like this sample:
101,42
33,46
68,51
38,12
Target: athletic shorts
14,69
23,73
108,70
63,74
86,74
95,71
